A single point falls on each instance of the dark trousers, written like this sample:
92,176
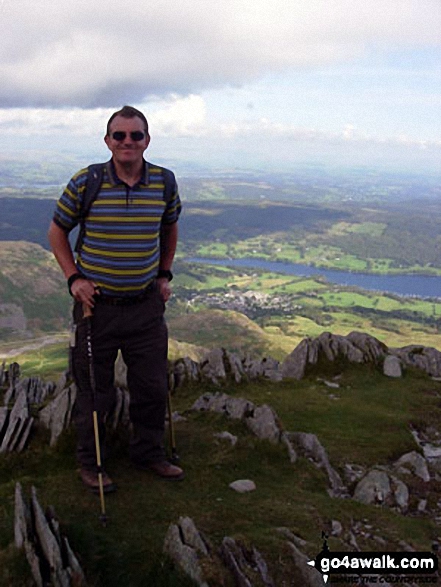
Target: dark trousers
140,332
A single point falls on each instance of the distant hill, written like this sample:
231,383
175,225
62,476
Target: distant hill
30,279
217,328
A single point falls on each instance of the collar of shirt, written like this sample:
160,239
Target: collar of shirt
115,180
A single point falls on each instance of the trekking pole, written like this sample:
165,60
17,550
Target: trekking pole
174,455
87,314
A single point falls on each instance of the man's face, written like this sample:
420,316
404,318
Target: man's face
127,150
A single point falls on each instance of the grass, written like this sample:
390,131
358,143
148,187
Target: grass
368,424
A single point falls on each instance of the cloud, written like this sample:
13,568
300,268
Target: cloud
105,53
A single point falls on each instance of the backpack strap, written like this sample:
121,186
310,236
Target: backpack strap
169,184
93,184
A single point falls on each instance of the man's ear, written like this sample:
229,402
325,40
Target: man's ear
106,140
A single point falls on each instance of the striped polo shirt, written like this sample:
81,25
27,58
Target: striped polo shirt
120,251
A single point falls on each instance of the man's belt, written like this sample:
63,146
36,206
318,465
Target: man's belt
125,300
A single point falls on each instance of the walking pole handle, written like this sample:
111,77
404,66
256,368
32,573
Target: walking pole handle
87,311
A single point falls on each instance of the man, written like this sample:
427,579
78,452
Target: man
122,274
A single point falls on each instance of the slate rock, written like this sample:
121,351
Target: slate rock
226,436
310,576
415,463
248,566
264,424
392,366
309,445
19,425
56,416
186,556
373,488
243,486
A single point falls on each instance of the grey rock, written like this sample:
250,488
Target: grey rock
185,556
211,402
294,366
286,532
415,463
185,370
336,528
213,367
192,537
392,366
284,438
401,493
4,417
372,349
22,518
427,359
234,366
264,424
356,347
310,576
56,416
47,540
377,487
245,564
58,565
373,488
310,446
121,414
2,374
120,372
238,408
353,473
243,486
227,436
18,426
422,505
75,572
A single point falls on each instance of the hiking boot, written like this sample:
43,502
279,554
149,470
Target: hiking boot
91,480
165,470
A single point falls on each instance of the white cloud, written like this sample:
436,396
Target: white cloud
105,53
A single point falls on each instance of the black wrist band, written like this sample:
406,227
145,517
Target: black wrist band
72,279
165,273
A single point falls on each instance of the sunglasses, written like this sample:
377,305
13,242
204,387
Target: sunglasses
136,135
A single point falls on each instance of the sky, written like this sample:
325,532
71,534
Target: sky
233,83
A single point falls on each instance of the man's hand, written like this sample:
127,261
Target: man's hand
164,288
84,290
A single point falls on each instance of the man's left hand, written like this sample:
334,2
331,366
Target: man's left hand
164,288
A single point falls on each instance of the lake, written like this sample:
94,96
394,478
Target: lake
404,285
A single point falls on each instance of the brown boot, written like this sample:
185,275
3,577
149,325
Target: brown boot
91,480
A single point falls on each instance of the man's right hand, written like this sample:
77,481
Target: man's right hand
84,291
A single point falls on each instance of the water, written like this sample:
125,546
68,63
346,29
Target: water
404,285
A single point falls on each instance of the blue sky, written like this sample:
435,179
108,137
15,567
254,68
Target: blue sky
236,83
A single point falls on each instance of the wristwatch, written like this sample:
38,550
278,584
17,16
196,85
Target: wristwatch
165,273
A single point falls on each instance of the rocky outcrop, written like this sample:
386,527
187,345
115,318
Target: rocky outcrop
56,416
265,424
308,445
378,486
48,552
209,567
425,359
17,425
356,347
219,365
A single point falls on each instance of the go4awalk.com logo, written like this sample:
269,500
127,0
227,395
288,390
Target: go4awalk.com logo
374,567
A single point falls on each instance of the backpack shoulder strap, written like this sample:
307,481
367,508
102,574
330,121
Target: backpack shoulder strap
93,183
169,184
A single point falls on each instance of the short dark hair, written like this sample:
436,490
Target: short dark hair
128,112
